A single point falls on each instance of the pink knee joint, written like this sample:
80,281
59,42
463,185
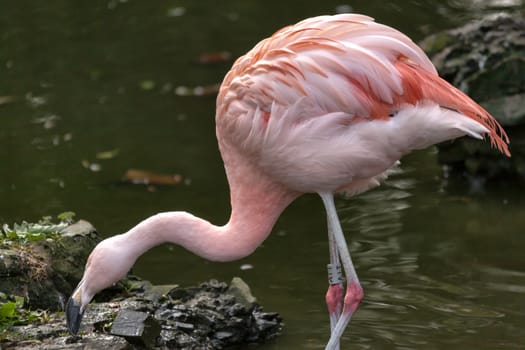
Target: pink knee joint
334,298
353,297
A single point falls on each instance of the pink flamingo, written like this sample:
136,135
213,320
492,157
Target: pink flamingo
327,105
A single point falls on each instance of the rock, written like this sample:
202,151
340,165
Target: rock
101,316
138,327
76,242
481,56
509,109
52,335
210,316
42,263
79,228
486,59
214,315
45,271
241,292
154,293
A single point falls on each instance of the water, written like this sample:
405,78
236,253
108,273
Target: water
442,266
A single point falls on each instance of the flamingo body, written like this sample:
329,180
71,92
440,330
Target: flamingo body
334,101
327,105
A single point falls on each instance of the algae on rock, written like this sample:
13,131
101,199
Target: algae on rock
485,59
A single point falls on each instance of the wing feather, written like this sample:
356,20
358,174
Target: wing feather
346,45
346,64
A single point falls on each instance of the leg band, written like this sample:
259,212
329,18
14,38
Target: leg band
335,275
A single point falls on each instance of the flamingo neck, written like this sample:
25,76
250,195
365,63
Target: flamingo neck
256,204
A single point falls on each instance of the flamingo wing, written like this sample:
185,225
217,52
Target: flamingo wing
310,87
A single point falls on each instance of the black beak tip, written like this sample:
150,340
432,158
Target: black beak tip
73,316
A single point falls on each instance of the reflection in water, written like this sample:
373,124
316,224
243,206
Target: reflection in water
398,290
485,4
495,274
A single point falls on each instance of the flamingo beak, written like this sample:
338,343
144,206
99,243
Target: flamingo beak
74,315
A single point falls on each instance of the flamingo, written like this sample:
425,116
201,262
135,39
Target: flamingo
327,105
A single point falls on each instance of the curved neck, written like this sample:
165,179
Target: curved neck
256,204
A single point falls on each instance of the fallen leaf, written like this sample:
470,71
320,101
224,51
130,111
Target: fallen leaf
107,154
147,85
94,167
207,90
176,11
214,57
137,176
245,267
48,121
6,99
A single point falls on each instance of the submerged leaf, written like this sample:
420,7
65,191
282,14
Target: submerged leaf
147,84
214,57
94,167
137,176
6,99
107,154
176,11
206,90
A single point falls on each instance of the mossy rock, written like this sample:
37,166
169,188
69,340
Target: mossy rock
485,59
45,271
504,78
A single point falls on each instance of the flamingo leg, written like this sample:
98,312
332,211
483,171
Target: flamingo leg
334,294
354,291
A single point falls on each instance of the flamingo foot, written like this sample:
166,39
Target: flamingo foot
354,295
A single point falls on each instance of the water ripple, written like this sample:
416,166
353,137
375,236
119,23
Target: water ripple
410,297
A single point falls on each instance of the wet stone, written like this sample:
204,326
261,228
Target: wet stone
184,326
241,292
135,326
223,335
209,317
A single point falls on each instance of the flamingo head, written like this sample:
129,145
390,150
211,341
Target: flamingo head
108,263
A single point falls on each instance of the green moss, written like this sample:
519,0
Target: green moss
437,42
13,313
28,232
505,78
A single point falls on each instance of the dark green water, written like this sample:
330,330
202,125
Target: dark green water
442,266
